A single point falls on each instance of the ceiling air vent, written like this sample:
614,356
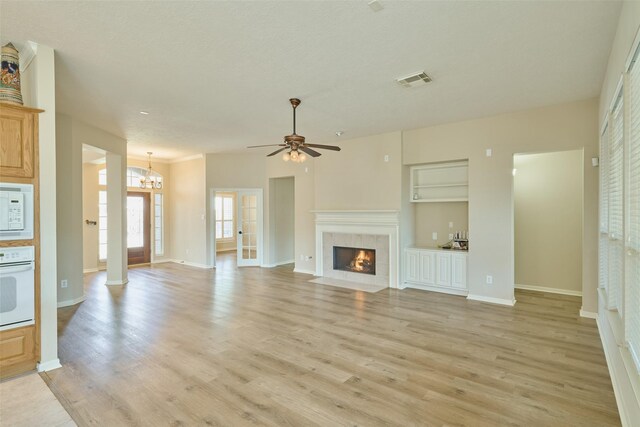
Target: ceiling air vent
414,80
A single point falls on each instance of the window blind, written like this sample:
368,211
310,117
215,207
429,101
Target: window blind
603,241
632,320
616,206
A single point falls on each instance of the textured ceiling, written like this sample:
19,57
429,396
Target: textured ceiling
216,76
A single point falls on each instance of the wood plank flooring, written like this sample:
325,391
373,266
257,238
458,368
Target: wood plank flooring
234,347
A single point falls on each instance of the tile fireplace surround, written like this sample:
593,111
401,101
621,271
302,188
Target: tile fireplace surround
371,229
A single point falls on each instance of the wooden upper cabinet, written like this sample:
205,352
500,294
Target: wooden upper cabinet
18,133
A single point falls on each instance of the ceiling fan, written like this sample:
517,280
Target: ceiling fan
295,144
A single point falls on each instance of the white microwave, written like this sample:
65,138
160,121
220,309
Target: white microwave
16,211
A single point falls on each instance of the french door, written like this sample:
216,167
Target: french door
249,223
138,228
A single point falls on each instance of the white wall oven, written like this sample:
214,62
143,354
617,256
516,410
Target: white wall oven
17,291
16,211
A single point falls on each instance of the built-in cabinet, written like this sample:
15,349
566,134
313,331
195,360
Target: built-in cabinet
436,270
20,347
440,182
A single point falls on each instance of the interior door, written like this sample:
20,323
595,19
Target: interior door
249,228
138,228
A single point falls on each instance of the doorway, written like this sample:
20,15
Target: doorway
548,206
282,221
138,228
237,226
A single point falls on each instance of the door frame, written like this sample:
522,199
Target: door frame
211,228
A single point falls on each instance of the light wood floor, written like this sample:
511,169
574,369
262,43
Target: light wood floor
186,346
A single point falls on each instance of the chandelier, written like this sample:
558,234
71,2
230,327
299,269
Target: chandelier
150,179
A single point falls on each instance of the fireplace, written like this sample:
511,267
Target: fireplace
356,260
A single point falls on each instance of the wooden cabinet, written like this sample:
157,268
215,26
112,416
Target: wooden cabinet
440,182
18,137
436,270
20,347
17,351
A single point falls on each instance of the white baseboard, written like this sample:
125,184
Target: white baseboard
191,264
622,380
549,290
49,365
90,270
450,291
588,314
70,302
116,282
161,260
491,300
301,270
277,264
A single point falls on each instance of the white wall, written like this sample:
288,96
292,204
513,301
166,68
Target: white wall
187,212
435,217
548,220
625,378
560,127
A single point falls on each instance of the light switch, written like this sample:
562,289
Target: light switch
489,152
434,235
450,224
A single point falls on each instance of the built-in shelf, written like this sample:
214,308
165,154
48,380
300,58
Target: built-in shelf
440,182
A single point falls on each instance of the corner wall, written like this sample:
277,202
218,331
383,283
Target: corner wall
561,127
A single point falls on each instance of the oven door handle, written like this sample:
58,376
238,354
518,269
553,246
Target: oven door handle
18,269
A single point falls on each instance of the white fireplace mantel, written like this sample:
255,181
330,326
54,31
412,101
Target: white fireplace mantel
378,222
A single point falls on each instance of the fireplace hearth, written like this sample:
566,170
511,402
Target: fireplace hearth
356,260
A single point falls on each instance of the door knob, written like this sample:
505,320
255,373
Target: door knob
240,232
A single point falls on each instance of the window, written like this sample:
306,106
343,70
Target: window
632,320
102,225
603,241
224,216
133,176
157,224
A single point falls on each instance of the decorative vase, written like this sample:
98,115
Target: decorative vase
10,76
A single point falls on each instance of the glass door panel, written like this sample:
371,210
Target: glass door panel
249,228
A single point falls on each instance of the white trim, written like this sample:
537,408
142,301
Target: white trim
549,290
49,365
116,282
90,270
186,158
70,302
304,271
618,93
190,264
634,48
146,159
491,300
276,264
588,314
429,288
621,380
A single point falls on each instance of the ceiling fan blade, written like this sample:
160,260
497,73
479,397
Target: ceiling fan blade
309,151
276,152
268,145
325,147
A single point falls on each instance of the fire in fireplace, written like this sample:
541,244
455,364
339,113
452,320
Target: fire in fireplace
357,260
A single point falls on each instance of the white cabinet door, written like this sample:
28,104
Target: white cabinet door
459,271
427,268
443,270
412,266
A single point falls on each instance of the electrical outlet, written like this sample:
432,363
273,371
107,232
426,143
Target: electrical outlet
434,235
450,236
64,283
489,280
450,224
386,157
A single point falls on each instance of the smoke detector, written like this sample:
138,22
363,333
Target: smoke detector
417,79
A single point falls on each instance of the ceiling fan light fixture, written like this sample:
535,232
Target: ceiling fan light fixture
294,155
286,157
302,157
